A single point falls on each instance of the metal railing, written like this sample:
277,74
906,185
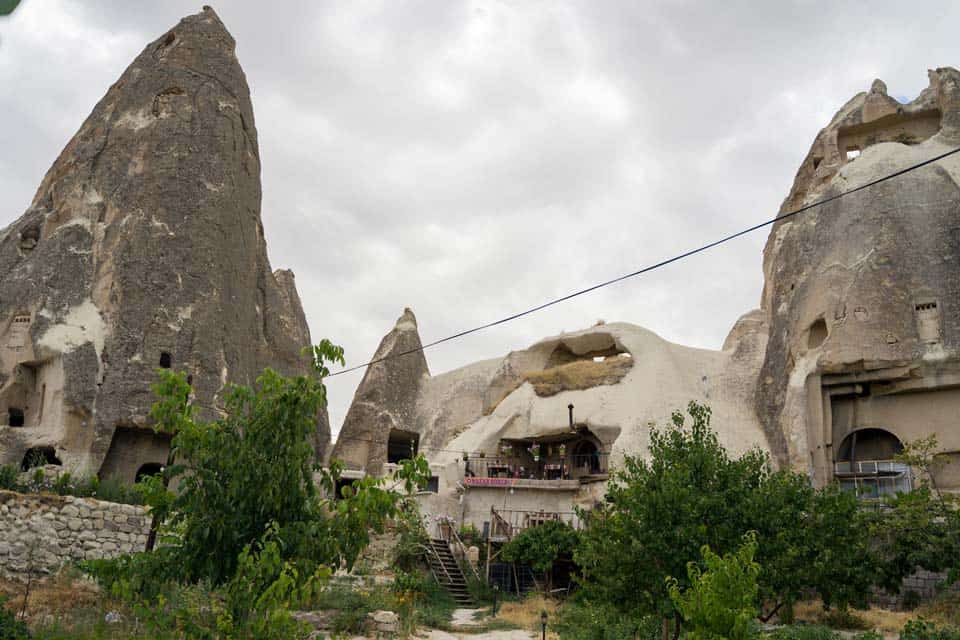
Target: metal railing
547,468
507,523
872,479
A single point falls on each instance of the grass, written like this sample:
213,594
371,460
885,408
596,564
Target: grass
525,614
943,611
572,376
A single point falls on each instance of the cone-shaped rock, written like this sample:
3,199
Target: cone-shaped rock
860,294
143,247
384,406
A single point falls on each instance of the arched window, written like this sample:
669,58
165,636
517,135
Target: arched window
869,444
165,360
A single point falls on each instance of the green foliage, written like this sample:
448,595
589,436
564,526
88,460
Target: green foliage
540,546
255,466
721,602
691,493
844,619
10,627
804,632
915,530
920,629
8,477
582,620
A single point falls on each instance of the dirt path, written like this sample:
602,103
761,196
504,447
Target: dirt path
489,635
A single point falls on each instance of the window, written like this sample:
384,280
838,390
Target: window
402,445
928,321
15,417
433,484
165,360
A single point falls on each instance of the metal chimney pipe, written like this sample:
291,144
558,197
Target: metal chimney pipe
570,409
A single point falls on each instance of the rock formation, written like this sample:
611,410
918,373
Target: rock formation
385,401
854,351
143,247
860,295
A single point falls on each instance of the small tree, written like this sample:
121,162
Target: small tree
721,602
253,469
541,546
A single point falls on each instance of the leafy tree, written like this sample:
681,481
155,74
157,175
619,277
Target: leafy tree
919,529
541,546
721,602
660,512
253,469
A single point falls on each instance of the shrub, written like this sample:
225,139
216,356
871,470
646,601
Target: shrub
10,627
920,629
721,601
844,619
8,477
804,632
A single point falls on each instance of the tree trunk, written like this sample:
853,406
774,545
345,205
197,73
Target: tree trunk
679,622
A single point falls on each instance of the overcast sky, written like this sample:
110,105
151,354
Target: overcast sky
470,159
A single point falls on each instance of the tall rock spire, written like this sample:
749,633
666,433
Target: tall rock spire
143,247
385,401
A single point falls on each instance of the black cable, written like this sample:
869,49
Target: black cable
652,267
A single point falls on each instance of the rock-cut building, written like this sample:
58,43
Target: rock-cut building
143,248
854,350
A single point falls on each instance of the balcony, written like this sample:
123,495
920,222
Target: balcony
872,479
561,473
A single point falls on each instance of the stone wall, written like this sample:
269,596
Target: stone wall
39,533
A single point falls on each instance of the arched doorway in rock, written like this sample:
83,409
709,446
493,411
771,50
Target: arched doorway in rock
869,444
38,457
586,457
147,470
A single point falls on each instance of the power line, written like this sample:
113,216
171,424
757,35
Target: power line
658,265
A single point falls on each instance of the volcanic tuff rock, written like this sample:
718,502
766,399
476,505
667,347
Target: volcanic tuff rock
872,280
858,334
385,401
143,247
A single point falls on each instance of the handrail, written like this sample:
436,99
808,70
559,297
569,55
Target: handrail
442,566
463,552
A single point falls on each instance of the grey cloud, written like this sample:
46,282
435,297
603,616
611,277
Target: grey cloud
470,159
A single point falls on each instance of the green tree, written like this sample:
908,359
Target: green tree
541,546
660,512
721,602
253,469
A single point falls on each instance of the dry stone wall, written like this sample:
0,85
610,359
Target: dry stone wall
40,533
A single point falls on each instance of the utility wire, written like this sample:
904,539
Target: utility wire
655,266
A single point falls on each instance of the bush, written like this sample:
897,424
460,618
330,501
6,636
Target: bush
844,619
10,627
8,477
920,629
580,620
804,632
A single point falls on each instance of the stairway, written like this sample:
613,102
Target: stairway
447,572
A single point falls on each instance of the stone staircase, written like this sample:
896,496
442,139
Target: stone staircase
447,571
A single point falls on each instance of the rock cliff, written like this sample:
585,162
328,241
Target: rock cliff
870,281
143,248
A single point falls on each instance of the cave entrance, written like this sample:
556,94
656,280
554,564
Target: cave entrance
38,457
402,445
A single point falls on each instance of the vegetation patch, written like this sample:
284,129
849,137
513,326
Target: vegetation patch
579,375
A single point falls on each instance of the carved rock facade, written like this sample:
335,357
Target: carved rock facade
143,248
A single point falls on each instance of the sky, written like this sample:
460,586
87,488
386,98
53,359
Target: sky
472,159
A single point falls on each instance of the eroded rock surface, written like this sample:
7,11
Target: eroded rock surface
143,247
867,283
